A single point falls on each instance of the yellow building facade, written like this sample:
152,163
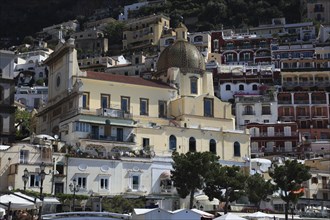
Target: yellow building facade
176,110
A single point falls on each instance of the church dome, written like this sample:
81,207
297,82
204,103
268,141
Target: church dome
183,55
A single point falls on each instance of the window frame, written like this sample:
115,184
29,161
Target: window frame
210,112
171,141
82,182
162,114
135,187
146,103
194,85
237,149
85,100
107,97
192,144
105,181
34,180
213,144
123,98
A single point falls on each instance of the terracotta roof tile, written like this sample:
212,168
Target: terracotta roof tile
126,79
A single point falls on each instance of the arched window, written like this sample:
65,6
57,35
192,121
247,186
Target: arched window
241,87
228,87
254,87
237,149
172,141
213,146
192,144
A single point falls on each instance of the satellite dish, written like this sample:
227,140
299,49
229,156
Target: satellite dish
56,136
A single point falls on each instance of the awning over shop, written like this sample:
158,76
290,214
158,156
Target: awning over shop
102,120
204,199
15,202
165,175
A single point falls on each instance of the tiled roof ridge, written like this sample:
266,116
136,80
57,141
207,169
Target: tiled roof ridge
126,79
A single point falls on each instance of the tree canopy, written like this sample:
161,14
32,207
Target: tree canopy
214,14
225,183
288,179
258,189
23,123
189,172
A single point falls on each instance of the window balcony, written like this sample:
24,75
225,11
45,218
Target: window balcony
114,113
301,101
128,139
287,118
275,134
284,101
319,101
266,112
248,113
318,116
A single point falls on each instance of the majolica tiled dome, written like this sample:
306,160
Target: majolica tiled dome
183,55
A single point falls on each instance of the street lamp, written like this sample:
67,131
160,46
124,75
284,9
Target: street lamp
25,177
74,188
42,175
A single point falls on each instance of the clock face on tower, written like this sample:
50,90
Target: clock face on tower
58,80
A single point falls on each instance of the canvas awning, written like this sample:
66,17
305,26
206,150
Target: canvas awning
165,175
229,216
260,215
16,203
204,199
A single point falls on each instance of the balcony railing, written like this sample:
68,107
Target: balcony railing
248,113
301,101
114,113
276,134
266,112
112,138
319,101
284,101
319,116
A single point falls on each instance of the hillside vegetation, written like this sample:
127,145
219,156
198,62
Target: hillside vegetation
215,14
20,18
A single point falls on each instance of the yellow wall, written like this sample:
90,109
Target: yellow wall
159,140
117,90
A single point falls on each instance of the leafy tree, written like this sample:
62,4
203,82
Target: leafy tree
225,183
114,31
189,172
28,40
288,178
120,204
22,123
257,189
